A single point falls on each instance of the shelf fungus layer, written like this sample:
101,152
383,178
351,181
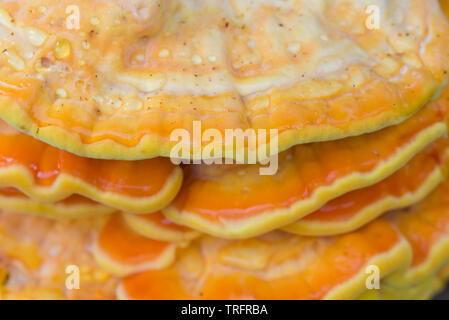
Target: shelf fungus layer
308,177
121,250
409,244
157,226
426,228
154,225
275,266
119,79
49,174
407,186
12,200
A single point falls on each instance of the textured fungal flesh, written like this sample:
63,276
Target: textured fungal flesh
116,85
250,204
49,174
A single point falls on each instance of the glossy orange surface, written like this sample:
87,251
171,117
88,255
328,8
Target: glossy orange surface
374,101
46,163
74,199
406,180
161,221
244,193
290,267
133,77
426,224
123,245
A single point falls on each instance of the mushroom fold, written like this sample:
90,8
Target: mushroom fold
48,174
408,185
235,201
409,248
12,200
124,81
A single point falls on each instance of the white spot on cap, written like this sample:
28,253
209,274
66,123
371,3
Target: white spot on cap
60,92
5,19
294,47
35,36
133,104
196,59
98,99
114,103
328,65
164,53
94,21
85,44
14,60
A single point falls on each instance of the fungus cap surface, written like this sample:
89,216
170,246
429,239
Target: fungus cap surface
235,201
49,174
134,71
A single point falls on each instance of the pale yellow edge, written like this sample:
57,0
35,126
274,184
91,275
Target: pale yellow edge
65,185
119,269
52,210
150,230
152,145
437,258
399,257
367,214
